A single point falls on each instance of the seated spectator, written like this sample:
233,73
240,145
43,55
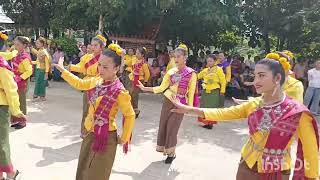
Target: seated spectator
55,59
155,72
233,88
236,65
83,51
300,70
247,78
197,66
74,60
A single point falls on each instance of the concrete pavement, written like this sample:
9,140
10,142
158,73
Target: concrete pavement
48,148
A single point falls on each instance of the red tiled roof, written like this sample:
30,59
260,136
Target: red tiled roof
148,35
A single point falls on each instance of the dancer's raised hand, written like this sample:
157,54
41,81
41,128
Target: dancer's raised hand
180,108
60,66
141,86
239,101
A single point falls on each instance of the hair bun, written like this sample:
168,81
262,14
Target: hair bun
183,46
3,36
115,48
102,38
274,56
282,60
288,53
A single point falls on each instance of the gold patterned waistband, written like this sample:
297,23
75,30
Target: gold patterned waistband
271,151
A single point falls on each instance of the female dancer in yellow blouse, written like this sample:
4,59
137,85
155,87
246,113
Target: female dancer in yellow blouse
88,66
22,69
172,62
9,104
129,60
274,123
140,72
42,69
106,95
181,82
214,84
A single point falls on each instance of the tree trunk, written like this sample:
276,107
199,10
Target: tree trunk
46,33
267,42
278,44
282,41
86,40
36,19
100,24
56,34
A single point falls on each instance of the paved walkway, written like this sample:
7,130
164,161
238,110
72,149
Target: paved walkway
48,148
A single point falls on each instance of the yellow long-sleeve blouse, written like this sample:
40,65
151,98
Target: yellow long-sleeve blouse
172,90
305,132
129,61
8,55
213,78
80,67
9,91
25,67
228,73
294,88
144,74
42,65
171,64
123,103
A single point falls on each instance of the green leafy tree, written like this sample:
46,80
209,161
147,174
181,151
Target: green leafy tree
25,12
265,19
68,45
196,23
228,40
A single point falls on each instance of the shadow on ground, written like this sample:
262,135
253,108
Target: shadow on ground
162,172
51,155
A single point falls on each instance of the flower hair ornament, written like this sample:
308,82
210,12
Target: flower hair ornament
282,60
3,36
288,53
183,46
102,38
116,48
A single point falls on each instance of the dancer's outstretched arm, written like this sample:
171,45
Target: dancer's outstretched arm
143,88
185,109
159,89
216,114
75,81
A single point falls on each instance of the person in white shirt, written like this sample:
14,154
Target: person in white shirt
312,95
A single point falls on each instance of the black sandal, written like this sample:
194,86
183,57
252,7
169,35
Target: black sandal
137,112
169,159
208,126
15,176
20,126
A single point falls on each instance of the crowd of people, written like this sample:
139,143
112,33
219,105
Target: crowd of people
268,93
